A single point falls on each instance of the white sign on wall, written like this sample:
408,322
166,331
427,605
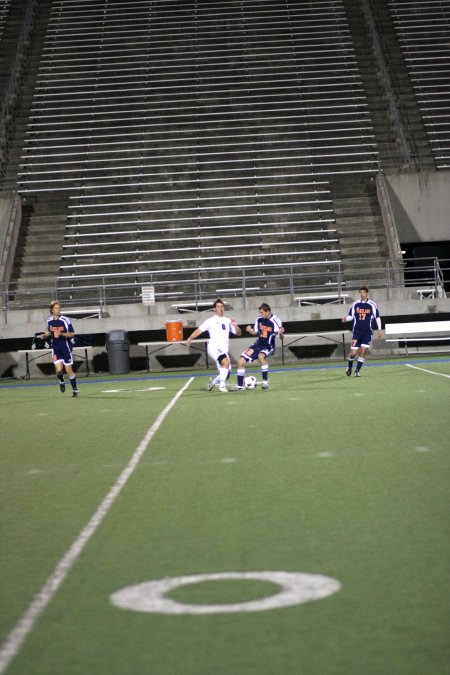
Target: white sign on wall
148,295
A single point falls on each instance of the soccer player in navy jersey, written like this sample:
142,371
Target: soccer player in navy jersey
266,327
61,332
363,313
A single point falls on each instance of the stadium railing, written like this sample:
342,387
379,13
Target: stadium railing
295,280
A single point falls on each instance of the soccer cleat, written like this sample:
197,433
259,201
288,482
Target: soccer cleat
348,372
238,388
223,388
62,387
74,393
265,384
210,384
357,374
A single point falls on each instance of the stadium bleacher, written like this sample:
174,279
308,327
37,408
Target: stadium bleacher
212,146
217,145
423,30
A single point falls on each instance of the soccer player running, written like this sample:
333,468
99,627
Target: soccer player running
219,328
266,327
60,330
363,312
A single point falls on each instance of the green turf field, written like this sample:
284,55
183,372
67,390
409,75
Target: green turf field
321,475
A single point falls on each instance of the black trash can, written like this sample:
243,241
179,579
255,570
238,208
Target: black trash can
118,351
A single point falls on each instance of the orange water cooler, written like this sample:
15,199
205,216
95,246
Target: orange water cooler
174,331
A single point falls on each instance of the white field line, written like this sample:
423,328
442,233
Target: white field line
23,627
431,372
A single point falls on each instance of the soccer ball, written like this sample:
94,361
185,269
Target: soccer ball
250,382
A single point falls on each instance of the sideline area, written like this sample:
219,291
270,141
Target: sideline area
50,381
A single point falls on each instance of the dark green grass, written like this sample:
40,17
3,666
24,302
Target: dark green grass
321,474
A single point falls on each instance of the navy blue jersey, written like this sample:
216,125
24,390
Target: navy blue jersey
60,325
267,330
363,314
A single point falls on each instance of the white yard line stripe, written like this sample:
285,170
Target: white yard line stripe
23,627
427,371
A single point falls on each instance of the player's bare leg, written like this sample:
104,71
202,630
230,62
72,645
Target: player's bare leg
72,380
59,368
361,359
240,372
264,370
351,358
224,372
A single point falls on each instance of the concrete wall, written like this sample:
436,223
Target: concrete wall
421,205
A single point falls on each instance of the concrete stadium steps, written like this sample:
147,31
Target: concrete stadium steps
39,246
360,229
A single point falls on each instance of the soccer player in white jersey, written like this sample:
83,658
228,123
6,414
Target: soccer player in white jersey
219,328
362,313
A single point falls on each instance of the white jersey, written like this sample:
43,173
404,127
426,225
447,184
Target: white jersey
219,329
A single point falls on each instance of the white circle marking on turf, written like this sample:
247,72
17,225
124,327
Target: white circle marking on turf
296,589
150,389
118,391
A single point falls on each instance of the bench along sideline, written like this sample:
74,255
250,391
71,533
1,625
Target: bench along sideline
417,331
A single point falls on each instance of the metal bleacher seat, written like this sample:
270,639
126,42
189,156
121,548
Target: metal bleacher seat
196,140
423,30
4,9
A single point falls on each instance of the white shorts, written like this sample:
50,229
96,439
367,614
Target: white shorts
217,354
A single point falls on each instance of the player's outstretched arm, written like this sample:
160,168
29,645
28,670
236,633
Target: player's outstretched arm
197,332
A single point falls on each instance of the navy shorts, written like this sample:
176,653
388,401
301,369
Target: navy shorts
62,353
251,353
361,340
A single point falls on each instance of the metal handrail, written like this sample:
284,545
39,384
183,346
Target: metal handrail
11,227
388,216
391,96
438,279
253,280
